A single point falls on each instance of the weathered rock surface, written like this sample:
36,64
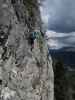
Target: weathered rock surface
24,74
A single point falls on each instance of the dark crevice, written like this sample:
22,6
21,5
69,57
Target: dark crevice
4,57
13,1
3,39
0,81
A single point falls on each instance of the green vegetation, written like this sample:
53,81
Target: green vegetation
59,80
32,7
40,41
30,4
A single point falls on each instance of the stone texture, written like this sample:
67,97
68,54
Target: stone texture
24,74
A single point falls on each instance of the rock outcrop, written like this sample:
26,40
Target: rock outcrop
24,74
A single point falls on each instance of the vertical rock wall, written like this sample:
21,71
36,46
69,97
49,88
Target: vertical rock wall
24,74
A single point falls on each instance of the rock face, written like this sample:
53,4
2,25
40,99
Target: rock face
25,74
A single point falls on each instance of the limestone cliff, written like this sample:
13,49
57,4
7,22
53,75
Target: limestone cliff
25,74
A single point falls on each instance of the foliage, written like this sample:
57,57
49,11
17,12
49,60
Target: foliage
59,80
40,40
32,8
30,4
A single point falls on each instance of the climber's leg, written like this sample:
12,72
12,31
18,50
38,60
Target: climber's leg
32,46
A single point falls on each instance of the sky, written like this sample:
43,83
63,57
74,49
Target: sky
59,19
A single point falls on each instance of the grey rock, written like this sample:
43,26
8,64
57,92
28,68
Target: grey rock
25,74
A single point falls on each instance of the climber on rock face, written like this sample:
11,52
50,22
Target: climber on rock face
31,41
32,37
